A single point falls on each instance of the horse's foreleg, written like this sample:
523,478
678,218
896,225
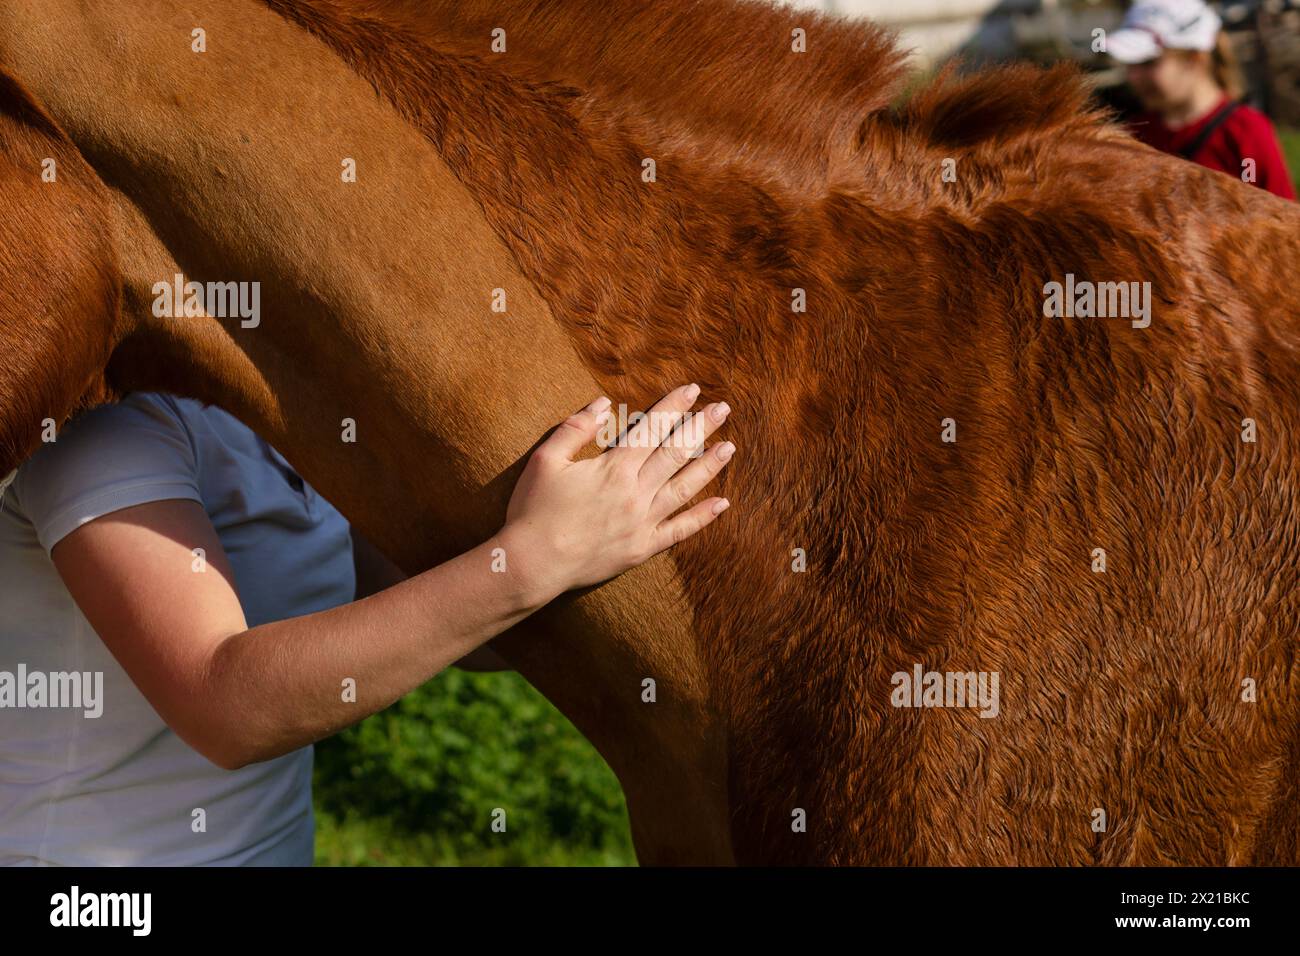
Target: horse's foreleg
58,290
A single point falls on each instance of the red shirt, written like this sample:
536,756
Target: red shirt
1246,134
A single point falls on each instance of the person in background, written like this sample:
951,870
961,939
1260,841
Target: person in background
1181,67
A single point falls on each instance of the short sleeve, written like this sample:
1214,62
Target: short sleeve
109,458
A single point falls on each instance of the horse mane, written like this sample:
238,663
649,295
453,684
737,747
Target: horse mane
719,82
713,78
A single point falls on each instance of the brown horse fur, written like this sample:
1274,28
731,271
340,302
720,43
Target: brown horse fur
714,86
730,90
1122,690
1030,485
59,261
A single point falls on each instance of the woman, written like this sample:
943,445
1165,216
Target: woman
1181,66
200,590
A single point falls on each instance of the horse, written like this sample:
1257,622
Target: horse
936,474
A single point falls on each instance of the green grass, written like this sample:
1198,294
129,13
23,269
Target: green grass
418,784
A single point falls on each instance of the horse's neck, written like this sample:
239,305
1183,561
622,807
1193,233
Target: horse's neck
776,111
376,307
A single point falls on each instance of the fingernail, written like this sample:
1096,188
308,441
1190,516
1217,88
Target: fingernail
692,392
721,506
725,450
600,404
720,411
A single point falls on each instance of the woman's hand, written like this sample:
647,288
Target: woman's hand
575,523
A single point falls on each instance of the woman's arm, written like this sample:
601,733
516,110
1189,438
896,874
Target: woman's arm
241,695
375,573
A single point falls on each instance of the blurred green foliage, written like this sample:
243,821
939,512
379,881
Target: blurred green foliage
1291,148
417,784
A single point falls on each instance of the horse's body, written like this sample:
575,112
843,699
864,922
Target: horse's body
1121,691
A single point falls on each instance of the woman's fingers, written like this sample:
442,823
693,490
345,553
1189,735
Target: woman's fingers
644,437
577,523
576,432
683,445
677,529
688,482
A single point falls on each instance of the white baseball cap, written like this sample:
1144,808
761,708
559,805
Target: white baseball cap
1152,26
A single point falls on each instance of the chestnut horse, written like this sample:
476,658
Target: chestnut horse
933,476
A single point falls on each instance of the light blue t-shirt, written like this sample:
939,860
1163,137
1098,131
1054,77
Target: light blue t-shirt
121,788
